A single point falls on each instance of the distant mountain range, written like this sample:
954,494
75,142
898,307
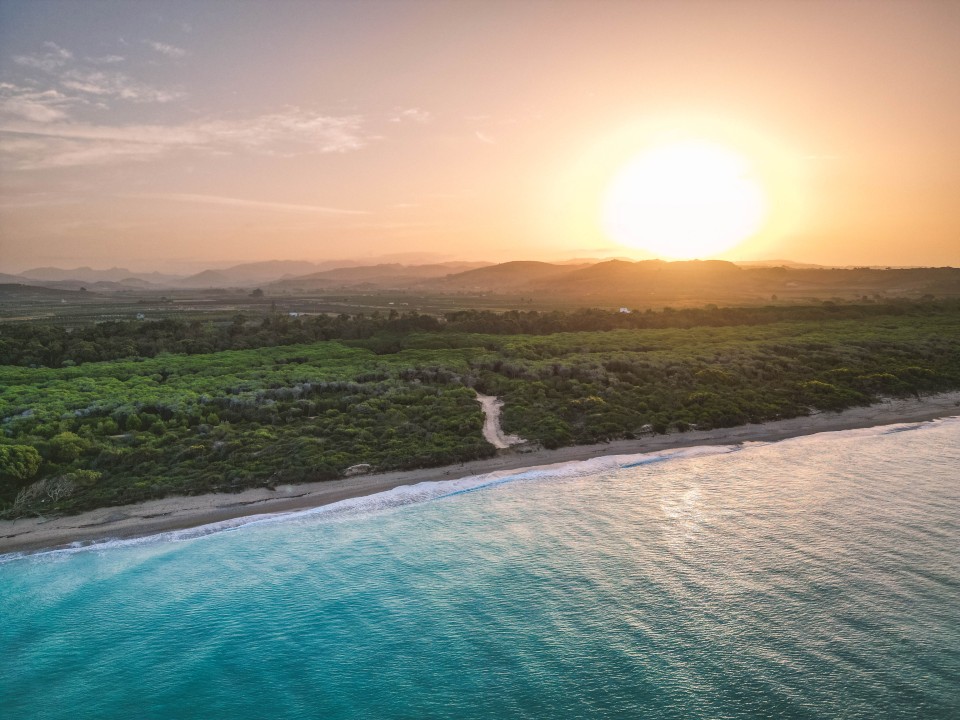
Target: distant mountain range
383,275
86,274
589,281
302,274
649,282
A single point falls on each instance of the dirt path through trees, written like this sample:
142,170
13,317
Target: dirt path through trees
492,430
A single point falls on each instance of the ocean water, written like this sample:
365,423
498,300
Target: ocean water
817,577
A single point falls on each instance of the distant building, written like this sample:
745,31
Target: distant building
140,316
625,311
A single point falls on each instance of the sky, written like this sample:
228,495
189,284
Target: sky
176,135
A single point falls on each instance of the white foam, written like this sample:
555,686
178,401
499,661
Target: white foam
169,536
431,490
397,497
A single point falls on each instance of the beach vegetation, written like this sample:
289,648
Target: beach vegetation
399,393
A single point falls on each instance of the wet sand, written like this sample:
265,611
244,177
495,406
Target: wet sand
175,513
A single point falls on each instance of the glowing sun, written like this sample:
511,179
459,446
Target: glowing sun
685,200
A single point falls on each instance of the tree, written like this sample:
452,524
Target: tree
18,463
66,447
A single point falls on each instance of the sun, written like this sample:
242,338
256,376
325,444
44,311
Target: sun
685,199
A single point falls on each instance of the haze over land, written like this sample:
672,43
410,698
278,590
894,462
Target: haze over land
152,138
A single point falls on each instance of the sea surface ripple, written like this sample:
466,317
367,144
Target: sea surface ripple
811,578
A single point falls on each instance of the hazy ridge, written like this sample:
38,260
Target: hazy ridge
590,282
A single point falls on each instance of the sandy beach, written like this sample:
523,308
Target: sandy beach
174,513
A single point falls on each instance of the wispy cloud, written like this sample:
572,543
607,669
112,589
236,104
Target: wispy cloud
39,106
81,77
106,59
484,138
293,130
115,85
171,51
50,60
38,199
416,115
61,144
40,129
38,152
241,202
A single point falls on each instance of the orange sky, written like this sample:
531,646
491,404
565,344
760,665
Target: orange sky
178,135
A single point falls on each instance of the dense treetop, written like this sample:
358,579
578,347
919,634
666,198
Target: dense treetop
257,403
34,344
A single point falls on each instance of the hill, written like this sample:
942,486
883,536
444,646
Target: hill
19,292
89,275
384,275
508,277
207,279
694,282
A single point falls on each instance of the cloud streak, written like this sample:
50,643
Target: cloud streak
39,106
40,130
240,202
41,125
116,85
44,141
171,51
71,75
50,61
106,59
414,115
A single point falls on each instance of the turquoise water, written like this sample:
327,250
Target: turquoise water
812,578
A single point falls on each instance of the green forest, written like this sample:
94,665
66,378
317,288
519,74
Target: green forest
121,412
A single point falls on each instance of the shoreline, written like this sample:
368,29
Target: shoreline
28,535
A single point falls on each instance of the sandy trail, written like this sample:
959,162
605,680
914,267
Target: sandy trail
492,431
175,513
